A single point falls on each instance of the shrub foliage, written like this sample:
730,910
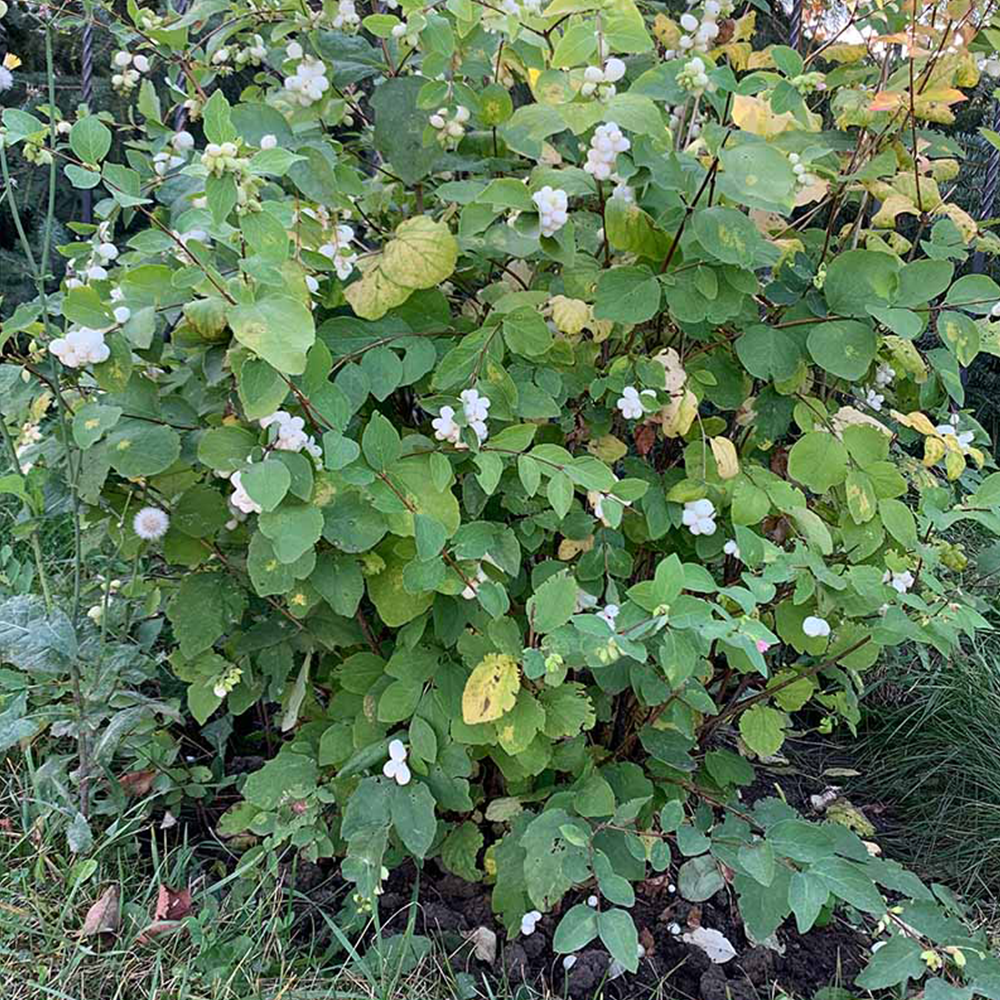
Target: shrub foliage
535,410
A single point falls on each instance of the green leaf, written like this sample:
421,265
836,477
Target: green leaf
627,295
560,493
731,237
278,329
762,728
576,929
380,443
851,883
526,333
899,522
226,449
961,334
758,862
845,348
267,482
339,582
893,964
769,353
553,603
807,895
204,607
137,448
292,528
460,851
90,139
976,293
617,932
216,116
399,128
262,389
818,460
92,421
858,280
758,176
412,810
34,639
81,177
287,777
84,306
699,879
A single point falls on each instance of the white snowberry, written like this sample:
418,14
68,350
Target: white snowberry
816,628
396,767
699,517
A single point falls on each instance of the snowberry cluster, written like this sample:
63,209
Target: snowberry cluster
291,434
605,145
694,78
165,161
475,410
815,628
802,176
695,121
406,34
602,81
884,375
396,767
308,83
950,429
900,582
699,517
552,209
874,399
240,499
449,130
699,35
82,346
347,18
989,65
122,313
128,70
338,250
630,402
219,158
94,267
808,83
226,682
226,58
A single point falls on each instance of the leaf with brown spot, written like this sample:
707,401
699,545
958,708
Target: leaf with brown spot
138,783
104,917
645,438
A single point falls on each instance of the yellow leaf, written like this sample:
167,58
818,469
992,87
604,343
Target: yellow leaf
754,114
915,419
678,415
570,548
966,224
667,32
934,449
375,294
491,689
761,60
725,457
738,54
744,27
422,253
607,448
954,465
845,53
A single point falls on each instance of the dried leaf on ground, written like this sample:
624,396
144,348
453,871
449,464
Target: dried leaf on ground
138,783
104,917
484,944
713,943
172,906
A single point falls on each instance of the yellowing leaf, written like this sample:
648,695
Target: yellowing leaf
491,689
421,254
845,53
678,415
744,27
934,449
754,114
570,548
607,448
915,419
725,457
374,295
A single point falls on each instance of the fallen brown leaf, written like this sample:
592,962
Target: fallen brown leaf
172,904
138,783
648,942
484,944
104,917
645,438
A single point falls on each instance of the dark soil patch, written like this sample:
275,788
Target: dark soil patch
450,908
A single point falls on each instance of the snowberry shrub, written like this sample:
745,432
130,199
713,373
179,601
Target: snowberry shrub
541,411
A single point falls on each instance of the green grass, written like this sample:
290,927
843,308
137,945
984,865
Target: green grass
930,752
